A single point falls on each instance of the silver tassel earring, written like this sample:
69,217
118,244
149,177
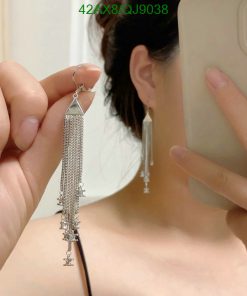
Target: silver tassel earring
71,185
147,149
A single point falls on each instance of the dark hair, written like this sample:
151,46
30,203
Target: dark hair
121,33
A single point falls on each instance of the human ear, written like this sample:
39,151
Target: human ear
142,69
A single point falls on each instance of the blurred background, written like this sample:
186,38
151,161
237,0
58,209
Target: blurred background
46,36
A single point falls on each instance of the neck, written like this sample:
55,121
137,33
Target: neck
170,205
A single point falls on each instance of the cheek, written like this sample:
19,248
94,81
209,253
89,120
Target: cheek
169,95
169,92
169,109
170,85
174,90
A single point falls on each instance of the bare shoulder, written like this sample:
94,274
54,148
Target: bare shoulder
35,267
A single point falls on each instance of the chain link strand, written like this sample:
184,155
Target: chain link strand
71,186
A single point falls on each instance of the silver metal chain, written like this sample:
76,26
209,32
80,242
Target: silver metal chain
71,185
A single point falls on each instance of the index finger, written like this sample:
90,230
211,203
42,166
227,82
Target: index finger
61,83
216,177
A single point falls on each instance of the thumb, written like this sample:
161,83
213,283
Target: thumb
40,161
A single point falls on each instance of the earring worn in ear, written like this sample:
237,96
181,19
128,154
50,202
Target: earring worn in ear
71,185
147,149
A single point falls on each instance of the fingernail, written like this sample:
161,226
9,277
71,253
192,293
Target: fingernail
178,152
27,132
216,78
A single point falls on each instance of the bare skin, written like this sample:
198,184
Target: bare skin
167,243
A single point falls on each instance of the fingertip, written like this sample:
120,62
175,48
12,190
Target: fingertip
62,83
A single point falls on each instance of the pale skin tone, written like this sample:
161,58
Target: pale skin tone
167,243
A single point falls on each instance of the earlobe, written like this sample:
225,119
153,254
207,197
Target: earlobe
141,73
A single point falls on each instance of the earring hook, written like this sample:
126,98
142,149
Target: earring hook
79,87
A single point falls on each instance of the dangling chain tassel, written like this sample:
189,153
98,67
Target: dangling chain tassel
71,186
147,150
